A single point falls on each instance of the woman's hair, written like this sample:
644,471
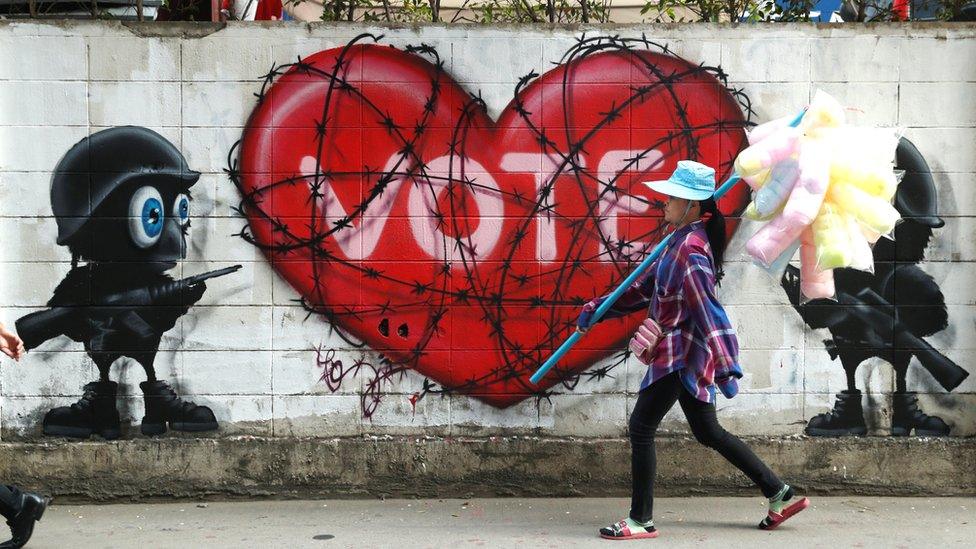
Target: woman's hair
715,229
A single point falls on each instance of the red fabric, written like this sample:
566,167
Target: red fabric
900,9
268,10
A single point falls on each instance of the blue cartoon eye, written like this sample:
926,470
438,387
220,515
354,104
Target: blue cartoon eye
146,217
181,209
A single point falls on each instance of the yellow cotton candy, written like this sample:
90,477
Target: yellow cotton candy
830,235
824,112
880,184
748,163
756,181
865,146
877,182
863,259
869,235
751,212
824,118
878,215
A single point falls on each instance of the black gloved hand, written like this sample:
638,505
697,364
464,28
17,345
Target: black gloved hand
194,293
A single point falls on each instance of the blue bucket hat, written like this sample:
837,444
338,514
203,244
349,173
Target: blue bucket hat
691,181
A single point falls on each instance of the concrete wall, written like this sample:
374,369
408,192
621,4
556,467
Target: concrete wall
253,467
247,349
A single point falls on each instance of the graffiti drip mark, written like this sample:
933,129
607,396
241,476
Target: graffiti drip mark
453,195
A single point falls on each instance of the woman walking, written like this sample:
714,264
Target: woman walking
689,347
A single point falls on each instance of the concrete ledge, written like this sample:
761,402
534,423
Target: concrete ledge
227,468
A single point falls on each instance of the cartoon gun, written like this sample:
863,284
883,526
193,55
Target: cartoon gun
877,328
38,327
879,315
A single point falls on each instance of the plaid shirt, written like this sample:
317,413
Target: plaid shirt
698,340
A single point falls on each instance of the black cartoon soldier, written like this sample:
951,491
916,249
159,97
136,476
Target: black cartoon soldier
886,314
121,199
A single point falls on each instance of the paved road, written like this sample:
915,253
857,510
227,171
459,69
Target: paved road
720,522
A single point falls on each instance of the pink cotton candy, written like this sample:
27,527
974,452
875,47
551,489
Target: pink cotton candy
775,237
814,283
800,210
764,130
811,187
778,146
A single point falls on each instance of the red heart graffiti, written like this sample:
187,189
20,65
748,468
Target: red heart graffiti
461,246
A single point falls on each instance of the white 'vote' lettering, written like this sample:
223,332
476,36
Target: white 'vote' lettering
359,240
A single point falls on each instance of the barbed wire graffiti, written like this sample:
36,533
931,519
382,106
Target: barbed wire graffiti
458,246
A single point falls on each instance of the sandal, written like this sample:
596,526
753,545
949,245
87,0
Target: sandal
627,529
774,519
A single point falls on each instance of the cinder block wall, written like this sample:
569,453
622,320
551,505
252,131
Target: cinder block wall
249,352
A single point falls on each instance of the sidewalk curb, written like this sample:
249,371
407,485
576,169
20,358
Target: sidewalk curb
368,467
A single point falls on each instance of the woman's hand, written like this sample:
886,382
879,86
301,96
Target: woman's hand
11,344
583,323
646,339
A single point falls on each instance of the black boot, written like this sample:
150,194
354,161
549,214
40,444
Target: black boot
95,412
906,416
22,524
846,419
162,406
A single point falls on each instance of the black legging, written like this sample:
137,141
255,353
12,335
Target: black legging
10,501
655,401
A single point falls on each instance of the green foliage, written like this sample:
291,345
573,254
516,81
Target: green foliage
727,10
535,11
485,12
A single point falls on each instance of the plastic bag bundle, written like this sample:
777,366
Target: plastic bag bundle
825,188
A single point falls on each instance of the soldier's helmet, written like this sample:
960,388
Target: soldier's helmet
102,162
916,198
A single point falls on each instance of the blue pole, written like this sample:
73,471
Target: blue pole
615,295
